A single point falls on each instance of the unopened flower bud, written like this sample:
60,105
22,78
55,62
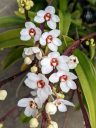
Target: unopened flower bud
33,123
51,108
27,60
21,10
61,95
34,69
53,125
1,125
3,94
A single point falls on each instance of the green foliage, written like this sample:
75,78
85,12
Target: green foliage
24,119
13,56
10,21
87,76
11,38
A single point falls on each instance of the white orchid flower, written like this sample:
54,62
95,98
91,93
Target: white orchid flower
30,31
62,104
50,39
40,83
66,80
54,60
30,53
47,15
31,106
72,62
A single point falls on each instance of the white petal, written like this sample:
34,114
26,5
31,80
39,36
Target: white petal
28,51
62,66
42,95
71,84
42,77
72,76
3,94
24,102
33,76
42,41
39,19
52,47
44,35
38,31
46,69
45,61
50,9
57,41
25,38
51,24
54,54
62,108
55,18
66,102
54,78
54,33
31,84
38,102
35,50
64,87
48,90
30,112
33,93
24,32
41,13
29,25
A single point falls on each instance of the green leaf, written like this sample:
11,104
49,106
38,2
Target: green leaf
65,21
11,38
92,51
11,21
92,1
13,56
87,76
30,13
24,119
63,5
65,43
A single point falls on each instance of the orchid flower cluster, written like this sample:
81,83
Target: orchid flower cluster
50,77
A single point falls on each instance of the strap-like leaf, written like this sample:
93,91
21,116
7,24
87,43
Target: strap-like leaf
87,76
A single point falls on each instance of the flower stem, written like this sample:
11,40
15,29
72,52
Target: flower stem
77,43
83,109
26,15
8,113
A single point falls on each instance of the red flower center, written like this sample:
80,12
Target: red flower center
32,32
54,62
47,16
32,104
40,84
63,78
49,39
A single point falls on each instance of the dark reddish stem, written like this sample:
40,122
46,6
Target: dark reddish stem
77,43
8,113
83,109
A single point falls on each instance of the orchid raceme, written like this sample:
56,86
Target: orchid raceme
50,39
47,15
30,31
50,68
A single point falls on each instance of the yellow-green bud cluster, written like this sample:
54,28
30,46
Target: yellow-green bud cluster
90,42
24,5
